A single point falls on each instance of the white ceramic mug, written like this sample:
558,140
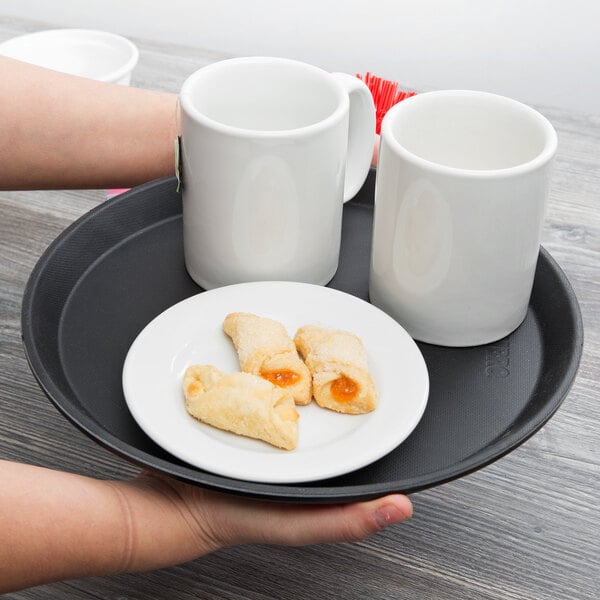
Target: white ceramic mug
461,188
271,148
91,53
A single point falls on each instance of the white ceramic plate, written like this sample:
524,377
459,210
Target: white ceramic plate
330,444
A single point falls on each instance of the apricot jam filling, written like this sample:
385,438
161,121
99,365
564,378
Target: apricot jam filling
281,378
344,389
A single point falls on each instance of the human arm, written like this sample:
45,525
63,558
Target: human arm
56,526
60,131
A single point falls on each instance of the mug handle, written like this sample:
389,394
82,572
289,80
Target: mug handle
361,133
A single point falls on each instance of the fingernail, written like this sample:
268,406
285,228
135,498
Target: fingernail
389,514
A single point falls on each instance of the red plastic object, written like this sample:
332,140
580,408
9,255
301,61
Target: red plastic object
385,95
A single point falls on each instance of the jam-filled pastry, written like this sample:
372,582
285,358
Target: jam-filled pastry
264,348
241,403
338,363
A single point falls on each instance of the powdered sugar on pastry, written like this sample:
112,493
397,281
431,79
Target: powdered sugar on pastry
241,403
264,348
339,366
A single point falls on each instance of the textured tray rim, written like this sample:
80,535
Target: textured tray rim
287,492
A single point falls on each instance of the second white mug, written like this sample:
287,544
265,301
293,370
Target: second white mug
460,195
271,148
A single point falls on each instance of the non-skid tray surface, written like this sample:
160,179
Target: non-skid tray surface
121,265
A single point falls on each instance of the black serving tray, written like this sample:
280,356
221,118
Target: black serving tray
120,265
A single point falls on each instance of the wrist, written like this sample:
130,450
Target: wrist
162,529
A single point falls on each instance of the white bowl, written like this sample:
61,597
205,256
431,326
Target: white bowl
89,53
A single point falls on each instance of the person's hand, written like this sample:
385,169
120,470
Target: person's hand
56,525
206,520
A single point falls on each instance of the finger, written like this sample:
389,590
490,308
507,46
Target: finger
245,521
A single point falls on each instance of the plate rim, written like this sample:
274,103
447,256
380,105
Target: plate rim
282,290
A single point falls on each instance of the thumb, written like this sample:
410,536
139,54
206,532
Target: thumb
235,521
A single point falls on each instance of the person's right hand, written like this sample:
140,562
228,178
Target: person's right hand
204,520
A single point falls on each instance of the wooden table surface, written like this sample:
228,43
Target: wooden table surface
527,526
